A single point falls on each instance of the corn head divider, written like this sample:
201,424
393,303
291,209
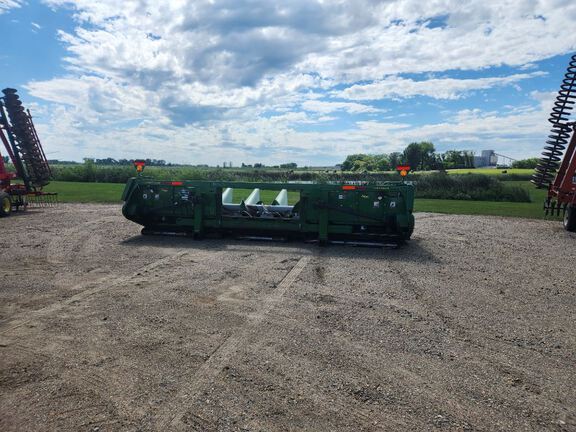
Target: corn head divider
324,212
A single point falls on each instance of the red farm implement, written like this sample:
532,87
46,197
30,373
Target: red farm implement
18,134
556,169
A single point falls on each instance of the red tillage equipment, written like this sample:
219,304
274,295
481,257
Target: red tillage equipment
26,154
556,169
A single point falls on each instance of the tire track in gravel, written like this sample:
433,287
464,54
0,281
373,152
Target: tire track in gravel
83,381
336,403
87,289
477,339
95,382
170,417
427,304
76,242
87,379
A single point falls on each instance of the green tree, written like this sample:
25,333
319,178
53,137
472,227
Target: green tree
526,163
468,159
451,159
419,155
428,158
395,159
348,164
360,165
381,163
89,169
458,159
413,155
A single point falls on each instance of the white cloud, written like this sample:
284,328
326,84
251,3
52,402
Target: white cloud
98,101
325,107
204,81
276,139
438,88
237,43
6,5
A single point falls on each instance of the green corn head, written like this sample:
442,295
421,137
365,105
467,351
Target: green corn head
324,212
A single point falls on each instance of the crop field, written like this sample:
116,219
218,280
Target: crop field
469,326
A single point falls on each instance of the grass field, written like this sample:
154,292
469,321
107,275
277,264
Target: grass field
531,210
111,193
86,192
523,210
492,171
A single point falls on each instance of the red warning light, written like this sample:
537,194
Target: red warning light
348,187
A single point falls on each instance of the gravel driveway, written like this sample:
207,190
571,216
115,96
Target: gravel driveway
470,326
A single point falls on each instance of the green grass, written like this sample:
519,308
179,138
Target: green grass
492,171
531,210
524,210
111,193
86,192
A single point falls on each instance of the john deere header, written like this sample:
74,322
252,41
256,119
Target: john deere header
351,212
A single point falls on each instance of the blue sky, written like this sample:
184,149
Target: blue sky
302,80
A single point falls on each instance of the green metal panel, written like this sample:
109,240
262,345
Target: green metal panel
324,211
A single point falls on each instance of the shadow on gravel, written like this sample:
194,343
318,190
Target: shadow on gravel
412,251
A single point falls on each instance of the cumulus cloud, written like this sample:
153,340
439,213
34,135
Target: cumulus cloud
438,88
237,43
247,76
326,107
98,101
278,138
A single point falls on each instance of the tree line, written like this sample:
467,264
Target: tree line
526,163
421,156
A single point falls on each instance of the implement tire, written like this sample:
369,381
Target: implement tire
5,204
570,219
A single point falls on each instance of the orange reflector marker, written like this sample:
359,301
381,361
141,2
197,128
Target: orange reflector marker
139,164
403,170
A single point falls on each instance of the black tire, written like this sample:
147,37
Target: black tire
570,218
5,204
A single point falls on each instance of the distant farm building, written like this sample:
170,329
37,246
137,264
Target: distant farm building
487,158
491,159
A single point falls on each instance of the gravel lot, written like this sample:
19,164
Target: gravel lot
470,326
